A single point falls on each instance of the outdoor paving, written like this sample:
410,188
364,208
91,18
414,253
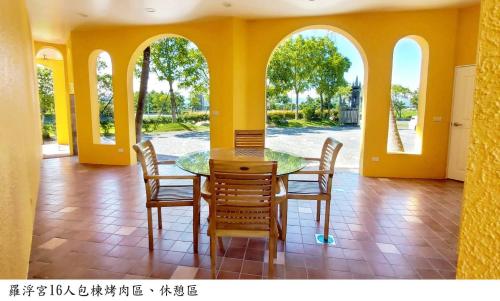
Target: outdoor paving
305,142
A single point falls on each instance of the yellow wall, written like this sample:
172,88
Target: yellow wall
479,244
238,51
467,30
62,83
61,99
21,139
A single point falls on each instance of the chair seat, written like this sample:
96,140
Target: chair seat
304,187
175,193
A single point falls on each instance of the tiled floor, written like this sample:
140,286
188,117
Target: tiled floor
91,223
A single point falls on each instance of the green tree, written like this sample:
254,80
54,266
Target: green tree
414,99
329,67
342,93
45,91
194,101
276,99
105,94
178,62
290,68
143,90
398,95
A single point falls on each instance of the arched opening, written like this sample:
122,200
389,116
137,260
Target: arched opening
102,97
314,89
407,103
172,92
54,107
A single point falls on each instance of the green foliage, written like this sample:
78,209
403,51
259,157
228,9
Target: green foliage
105,94
408,113
153,123
300,64
328,69
342,94
45,90
398,106
290,67
48,131
309,108
178,62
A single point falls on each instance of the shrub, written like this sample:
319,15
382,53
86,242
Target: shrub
407,113
283,114
47,131
310,110
195,117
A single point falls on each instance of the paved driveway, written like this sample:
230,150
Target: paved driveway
306,142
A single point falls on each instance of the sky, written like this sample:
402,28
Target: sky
406,62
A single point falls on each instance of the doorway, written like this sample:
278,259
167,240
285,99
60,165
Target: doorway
461,119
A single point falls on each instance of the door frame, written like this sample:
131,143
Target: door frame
450,124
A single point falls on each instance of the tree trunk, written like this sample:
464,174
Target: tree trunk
395,139
340,109
143,90
296,105
173,105
321,105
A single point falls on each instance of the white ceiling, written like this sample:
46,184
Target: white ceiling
53,20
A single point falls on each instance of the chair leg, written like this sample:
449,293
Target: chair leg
196,226
272,251
284,218
150,228
327,219
213,255
160,224
318,210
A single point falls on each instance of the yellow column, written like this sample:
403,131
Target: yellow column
479,244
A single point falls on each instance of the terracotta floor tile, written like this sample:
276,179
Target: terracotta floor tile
52,244
231,265
252,267
182,272
91,223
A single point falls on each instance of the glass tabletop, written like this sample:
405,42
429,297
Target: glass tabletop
197,162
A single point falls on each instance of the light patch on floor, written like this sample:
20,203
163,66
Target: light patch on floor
412,219
384,179
183,272
125,230
388,248
305,210
52,243
68,209
280,259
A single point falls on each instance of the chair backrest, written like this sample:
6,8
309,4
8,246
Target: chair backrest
331,148
147,157
249,138
243,195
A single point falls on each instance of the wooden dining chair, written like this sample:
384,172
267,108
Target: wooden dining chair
242,204
158,196
249,138
319,189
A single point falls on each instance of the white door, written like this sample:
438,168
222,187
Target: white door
461,119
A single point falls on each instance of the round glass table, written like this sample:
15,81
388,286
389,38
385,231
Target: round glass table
197,162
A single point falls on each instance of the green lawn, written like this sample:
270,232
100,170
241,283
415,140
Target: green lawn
179,126
301,123
168,127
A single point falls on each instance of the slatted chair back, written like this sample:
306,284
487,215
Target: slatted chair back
331,148
243,195
147,157
249,138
